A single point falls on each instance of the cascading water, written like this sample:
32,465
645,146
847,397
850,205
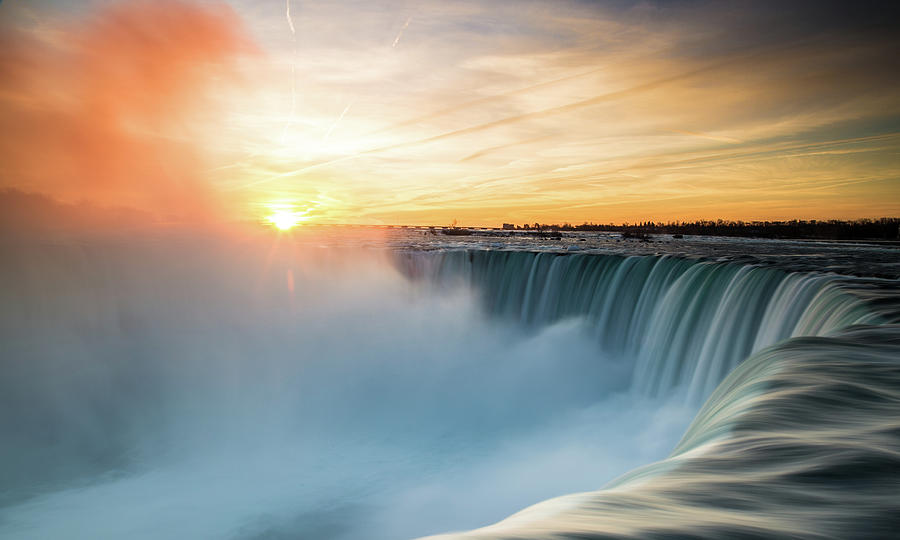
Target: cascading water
231,386
801,441
687,323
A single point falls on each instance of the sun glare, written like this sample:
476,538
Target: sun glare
285,218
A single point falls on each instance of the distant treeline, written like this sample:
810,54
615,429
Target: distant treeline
861,229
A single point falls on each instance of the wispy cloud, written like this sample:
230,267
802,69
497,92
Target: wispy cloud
558,111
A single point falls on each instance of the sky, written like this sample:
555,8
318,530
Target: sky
426,112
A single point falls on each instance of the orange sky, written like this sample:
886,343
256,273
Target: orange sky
426,112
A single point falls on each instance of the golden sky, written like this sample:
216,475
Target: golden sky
481,111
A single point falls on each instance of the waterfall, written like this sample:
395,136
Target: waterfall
686,322
265,388
799,441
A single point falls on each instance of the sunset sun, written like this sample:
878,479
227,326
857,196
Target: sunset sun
285,217
284,220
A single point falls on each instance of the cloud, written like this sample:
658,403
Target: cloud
482,105
112,108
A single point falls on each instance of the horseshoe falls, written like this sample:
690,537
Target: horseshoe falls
685,323
232,385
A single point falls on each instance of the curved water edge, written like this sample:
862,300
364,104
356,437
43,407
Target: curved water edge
245,390
686,322
801,441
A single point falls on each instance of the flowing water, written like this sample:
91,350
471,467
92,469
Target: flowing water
239,386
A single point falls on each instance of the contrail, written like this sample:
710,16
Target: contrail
350,105
400,34
290,121
486,151
721,138
504,121
339,118
288,14
543,113
596,100
487,99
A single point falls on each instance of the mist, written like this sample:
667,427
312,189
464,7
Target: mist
117,103
247,385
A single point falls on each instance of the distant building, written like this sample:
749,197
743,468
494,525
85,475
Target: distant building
508,227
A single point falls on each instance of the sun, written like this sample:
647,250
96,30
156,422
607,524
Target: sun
284,220
284,217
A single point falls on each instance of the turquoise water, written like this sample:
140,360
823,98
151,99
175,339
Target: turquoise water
227,386
686,322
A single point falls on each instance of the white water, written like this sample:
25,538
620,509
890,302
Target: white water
241,387
685,323
178,388
801,441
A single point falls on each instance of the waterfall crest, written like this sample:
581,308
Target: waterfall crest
686,322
